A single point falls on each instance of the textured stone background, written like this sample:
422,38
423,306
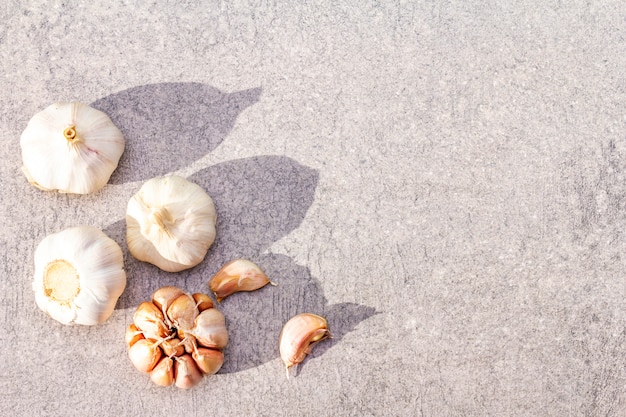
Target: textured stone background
444,180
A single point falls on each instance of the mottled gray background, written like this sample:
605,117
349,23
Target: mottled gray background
444,180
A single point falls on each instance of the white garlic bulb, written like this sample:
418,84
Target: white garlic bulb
70,147
170,223
79,275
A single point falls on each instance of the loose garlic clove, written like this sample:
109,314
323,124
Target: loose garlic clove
133,334
79,275
70,147
299,335
163,372
237,275
210,329
145,354
183,312
187,372
170,223
164,296
150,320
208,360
203,301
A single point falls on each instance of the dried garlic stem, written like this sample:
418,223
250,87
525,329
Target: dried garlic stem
70,134
163,219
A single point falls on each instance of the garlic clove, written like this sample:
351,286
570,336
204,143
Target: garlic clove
299,335
189,342
145,354
203,301
170,223
208,360
164,296
133,334
183,311
149,319
70,147
163,372
79,275
186,372
210,329
172,347
237,275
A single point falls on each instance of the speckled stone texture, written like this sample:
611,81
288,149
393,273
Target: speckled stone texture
445,181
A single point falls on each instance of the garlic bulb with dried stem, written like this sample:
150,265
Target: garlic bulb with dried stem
79,275
299,335
237,275
177,337
170,223
70,147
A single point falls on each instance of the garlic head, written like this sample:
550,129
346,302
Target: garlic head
177,337
70,147
170,222
79,275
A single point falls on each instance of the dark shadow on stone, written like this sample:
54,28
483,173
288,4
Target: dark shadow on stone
258,200
342,319
168,126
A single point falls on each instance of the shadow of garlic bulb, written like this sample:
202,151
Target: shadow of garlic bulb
177,338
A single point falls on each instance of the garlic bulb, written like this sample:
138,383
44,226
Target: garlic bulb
237,275
70,147
299,335
177,338
79,275
170,223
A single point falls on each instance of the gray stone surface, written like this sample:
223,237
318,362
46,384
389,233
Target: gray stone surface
444,180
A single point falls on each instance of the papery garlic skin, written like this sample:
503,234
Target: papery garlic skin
79,275
163,373
210,329
145,354
70,147
209,361
170,223
237,275
299,335
186,372
133,335
203,301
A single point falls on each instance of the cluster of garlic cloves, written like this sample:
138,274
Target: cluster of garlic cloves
71,148
177,337
170,222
